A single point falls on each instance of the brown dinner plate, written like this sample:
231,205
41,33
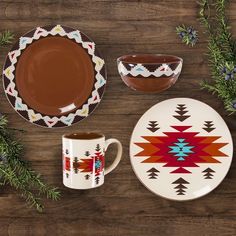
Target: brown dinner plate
54,76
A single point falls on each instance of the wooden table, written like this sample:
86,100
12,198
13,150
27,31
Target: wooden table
123,206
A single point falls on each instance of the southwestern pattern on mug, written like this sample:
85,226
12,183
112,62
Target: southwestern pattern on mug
88,164
180,154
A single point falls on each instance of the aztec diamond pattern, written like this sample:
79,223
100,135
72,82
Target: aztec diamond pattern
93,164
178,154
180,149
32,115
88,164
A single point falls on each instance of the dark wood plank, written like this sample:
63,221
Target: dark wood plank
104,226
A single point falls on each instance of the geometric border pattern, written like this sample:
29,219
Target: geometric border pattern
139,69
35,117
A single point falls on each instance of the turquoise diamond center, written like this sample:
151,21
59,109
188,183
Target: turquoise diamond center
181,149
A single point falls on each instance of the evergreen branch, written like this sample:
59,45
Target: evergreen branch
20,174
6,37
222,54
10,176
213,44
12,149
211,88
223,33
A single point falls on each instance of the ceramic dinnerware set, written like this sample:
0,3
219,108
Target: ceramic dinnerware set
54,76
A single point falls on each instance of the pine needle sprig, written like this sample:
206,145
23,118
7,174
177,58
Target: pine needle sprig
18,173
18,183
223,31
6,37
221,52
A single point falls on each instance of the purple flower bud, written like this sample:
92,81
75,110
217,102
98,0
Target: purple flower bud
234,104
227,77
223,71
3,159
190,29
182,34
194,33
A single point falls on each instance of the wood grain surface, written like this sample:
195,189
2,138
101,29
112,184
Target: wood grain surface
122,206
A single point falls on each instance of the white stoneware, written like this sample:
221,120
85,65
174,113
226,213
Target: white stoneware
181,149
84,159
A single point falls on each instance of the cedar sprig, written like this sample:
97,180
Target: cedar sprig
6,37
17,172
221,52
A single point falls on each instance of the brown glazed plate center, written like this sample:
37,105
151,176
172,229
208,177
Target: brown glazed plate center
54,75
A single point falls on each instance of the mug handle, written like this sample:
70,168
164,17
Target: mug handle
118,155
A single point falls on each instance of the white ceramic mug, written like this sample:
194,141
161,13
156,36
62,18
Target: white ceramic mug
83,159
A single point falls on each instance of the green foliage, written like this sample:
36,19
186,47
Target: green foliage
17,172
187,34
6,37
222,53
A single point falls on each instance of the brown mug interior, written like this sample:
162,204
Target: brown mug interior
83,135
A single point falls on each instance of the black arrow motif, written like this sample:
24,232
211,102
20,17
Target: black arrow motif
97,180
87,177
153,173
153,126
181,111
208,126
76,165
208,173
180,186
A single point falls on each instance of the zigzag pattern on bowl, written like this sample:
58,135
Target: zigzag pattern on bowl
140,70
34,116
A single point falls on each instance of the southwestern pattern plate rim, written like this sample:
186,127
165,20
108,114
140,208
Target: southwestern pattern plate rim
178,154
30,114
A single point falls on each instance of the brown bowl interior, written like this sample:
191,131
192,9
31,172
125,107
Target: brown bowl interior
150,59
